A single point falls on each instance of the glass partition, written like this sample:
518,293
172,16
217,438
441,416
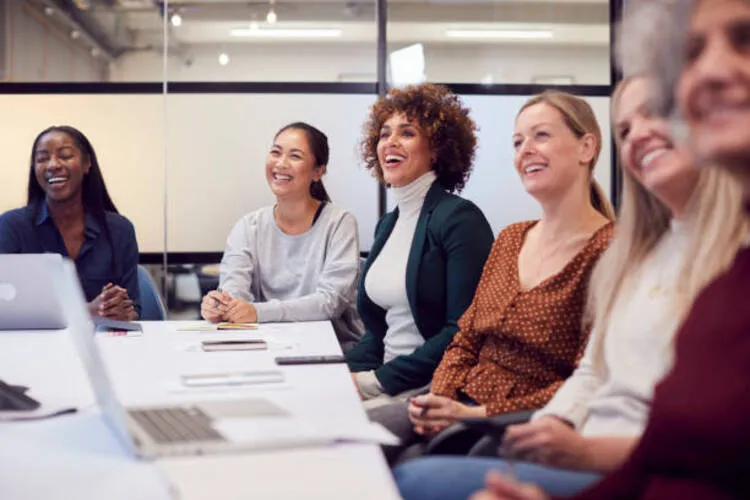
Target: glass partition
183,167
272,41
79,41
499,41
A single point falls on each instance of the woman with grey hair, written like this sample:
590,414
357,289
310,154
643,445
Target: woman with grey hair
696,440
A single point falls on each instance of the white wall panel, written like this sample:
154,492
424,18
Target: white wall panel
494,184
126,132
216,160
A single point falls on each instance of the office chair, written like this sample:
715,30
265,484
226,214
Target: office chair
152,307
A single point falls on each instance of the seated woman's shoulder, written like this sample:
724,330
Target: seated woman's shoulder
518,227
335,209
17,215
337,212
118,221
261,214
605,234
453,203
514,231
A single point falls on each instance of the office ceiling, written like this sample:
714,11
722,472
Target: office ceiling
118,26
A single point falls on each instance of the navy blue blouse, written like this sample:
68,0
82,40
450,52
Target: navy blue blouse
31,229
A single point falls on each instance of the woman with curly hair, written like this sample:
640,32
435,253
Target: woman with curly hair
523,333
428,253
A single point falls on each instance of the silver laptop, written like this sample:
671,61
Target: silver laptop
27,295
170,430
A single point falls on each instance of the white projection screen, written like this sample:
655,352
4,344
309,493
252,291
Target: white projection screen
216,145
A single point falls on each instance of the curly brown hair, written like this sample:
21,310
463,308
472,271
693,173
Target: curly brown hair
441,117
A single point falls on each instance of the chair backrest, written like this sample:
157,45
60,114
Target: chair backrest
152,307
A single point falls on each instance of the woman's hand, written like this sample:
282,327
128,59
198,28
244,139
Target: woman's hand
499,487
431,413
239,311
548,441
214,306
114,303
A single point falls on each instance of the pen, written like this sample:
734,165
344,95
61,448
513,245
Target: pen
217,302
58,413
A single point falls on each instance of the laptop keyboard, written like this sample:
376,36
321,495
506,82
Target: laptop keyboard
176,425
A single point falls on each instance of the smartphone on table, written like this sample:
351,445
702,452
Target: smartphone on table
310,360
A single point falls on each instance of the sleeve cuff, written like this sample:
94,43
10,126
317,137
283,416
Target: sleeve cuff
369,385
575,416
267,312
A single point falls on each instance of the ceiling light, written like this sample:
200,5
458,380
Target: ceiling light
223,58
94,52
286,33
75,34
271,18
49,11
176,19
501,34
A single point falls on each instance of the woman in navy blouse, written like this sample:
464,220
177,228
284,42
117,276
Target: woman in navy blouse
69,212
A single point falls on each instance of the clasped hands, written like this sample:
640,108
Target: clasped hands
431,414
113,302
218,306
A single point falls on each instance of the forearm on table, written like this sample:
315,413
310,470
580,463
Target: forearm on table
317,306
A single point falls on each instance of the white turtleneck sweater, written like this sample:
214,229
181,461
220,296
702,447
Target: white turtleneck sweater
385,282
610,393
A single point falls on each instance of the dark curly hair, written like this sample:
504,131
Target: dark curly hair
443,119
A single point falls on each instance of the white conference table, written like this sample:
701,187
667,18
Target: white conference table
76,457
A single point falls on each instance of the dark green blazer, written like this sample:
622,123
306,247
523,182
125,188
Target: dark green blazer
451,243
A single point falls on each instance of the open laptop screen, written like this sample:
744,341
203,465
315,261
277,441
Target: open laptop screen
27,296
82,330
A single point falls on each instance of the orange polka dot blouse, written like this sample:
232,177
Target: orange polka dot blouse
515,348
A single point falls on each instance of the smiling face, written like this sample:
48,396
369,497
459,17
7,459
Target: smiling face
714,89
291,165
646,147
403,151
59,167
549,158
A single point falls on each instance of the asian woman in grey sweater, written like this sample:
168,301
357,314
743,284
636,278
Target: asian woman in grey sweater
298,259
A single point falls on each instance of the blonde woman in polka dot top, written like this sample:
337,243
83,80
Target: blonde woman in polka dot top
522,335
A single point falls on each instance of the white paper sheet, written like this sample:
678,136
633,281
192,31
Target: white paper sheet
287,432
